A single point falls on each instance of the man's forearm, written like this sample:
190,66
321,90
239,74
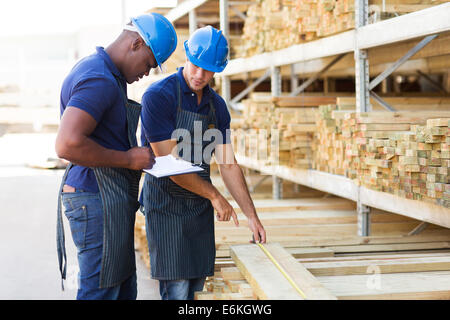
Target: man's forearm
86,152
194,183
235,182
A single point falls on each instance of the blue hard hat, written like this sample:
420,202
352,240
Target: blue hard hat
207,48
158,33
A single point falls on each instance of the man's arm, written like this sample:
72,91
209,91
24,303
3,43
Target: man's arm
194,183
73,144
235,182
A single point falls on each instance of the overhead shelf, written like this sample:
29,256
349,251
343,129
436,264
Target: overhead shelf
346,188
183,8
409,26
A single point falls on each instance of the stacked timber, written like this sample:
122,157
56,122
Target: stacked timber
276,24
328,147
253,138
403,153
314,241
279,130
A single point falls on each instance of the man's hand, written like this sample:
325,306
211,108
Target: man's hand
224,210
259,234
140,158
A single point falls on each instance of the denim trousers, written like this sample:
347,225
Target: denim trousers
180,289
84,210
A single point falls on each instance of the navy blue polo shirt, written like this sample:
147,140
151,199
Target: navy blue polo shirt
159,108
92,87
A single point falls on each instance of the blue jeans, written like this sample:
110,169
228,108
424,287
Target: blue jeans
180,289
84,210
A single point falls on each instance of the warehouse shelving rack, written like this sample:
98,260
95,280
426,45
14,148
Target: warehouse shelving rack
427,24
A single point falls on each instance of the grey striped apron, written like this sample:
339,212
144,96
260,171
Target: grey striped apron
180,223
119,188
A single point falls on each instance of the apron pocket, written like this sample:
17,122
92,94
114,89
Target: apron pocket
78,225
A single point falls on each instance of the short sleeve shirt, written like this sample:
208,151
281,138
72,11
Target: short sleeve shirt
92,86
159,108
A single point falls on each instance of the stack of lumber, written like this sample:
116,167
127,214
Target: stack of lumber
276,24
396,152
279,130
331,222
402,153
328,148
253,140
412,275
314,240
295,120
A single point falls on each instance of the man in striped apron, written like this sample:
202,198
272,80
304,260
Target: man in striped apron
182,113
97,135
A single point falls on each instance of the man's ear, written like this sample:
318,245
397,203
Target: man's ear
137,44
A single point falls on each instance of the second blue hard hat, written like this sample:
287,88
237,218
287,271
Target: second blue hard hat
158,33
207,48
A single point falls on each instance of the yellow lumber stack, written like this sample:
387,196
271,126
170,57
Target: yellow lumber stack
402,153
328,145
278,130
277,24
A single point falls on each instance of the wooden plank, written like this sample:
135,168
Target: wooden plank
311,230
433,239
417,117
297,217
333,203
419,285
231,273
391,247
376,256
310,252
312,288
302,101
266,279
415,264
267,282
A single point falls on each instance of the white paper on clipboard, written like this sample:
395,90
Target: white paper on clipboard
170,166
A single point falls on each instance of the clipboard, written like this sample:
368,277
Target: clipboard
166,166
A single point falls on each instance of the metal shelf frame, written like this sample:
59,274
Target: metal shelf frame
424,23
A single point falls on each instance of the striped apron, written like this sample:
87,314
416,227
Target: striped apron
119,189
180,223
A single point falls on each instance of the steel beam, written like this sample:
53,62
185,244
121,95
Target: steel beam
308,82
431,81
238,13
400,61
275,81
224,26
247,90
183,8
382,102
362,99
192,21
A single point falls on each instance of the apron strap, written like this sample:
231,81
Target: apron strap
133,112
60,237
178,95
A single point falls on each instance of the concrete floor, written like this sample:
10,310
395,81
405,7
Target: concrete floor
28,259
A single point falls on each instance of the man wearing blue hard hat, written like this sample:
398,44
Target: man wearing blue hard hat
97,135
182,115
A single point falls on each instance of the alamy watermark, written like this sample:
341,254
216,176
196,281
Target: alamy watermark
198,146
